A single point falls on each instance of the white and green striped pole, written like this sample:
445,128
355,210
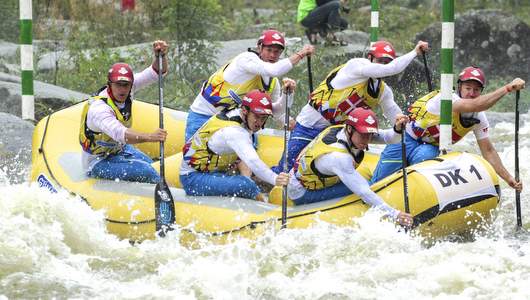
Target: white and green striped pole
26,59
374,22
448,41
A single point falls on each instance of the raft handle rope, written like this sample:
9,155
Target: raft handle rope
41,150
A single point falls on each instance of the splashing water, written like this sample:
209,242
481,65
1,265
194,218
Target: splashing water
55,246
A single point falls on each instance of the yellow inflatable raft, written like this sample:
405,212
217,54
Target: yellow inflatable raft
451,194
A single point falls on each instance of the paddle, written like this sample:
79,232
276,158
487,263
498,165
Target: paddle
517,193
309,74
285,139
164,204
427,72
403,146
404,166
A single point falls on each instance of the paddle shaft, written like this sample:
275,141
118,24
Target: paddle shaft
164,203
403,168
309,74
285,155
427,72
161,115
517,193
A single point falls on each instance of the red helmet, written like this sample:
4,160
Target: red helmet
472,73
363,120
271,37
382,49
258,102
120,72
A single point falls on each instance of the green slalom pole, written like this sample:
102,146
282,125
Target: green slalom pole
26,59
448,41
374,22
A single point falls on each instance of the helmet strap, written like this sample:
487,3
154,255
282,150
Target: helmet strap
109,91
349,134
245,119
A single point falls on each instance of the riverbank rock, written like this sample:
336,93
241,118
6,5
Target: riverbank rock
15,148
48,97
493,40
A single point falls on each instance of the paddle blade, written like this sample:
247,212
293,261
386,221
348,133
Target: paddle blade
164,209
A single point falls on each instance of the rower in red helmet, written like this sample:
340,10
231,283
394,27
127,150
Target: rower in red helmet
326,168
356,83
105,134
469,106
223,141
252,69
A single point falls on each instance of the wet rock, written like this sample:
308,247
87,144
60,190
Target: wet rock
15,147
48,97
491,39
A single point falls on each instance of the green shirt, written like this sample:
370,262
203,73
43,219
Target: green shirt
304,8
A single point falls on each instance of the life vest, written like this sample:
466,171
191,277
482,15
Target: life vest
99,143
215,90
304,166
197,153
335,104
426,125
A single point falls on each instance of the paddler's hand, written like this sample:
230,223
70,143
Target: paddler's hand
515,85
160,46
401,121
421,47
404,219
282,179
288,84
516,185
158,135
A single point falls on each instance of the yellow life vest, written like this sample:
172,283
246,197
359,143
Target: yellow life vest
335,104
99,143
215,90
197,153
305,169
426,125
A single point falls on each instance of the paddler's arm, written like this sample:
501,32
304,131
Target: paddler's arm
484,102
489,153
342,166
135,137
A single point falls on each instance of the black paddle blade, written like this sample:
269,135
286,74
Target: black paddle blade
164,209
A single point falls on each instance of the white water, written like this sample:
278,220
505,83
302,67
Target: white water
55,246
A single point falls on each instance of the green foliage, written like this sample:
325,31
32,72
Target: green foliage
9,20
398,24
92,29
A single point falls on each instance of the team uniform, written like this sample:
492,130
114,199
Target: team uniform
213,151
246,72
326,169
354,84
422,134
102,136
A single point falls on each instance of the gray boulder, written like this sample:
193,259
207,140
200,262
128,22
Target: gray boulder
15,148
493,40
48,97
